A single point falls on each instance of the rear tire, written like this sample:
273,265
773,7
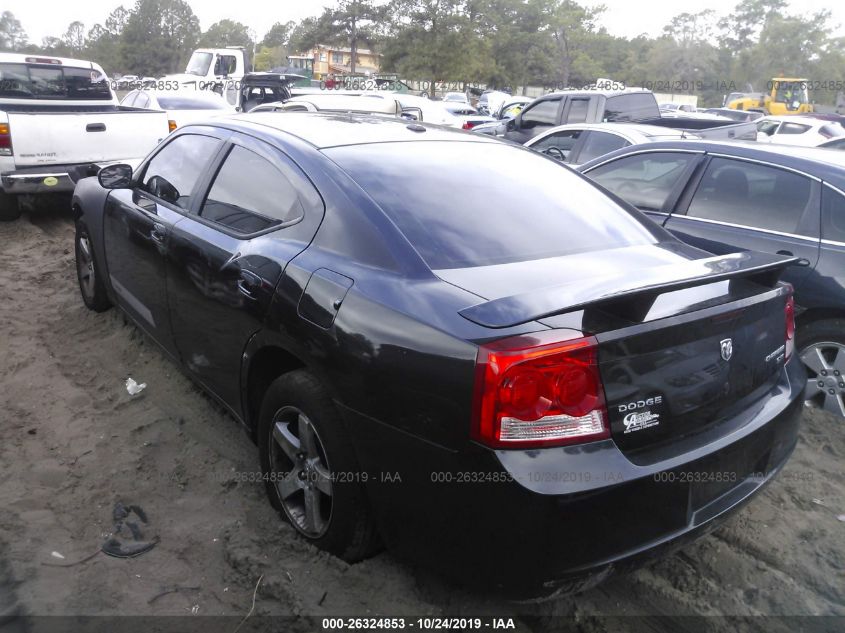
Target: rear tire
310,472
821,347
88,273
10,209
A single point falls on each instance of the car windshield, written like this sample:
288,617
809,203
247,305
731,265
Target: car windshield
191,102
199,64
513,210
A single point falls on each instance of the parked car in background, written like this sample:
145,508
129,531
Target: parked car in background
579,143
335,103
677,108
363,294
735,115
148,82
128,81
609,106
456,97
182,106
797,130
60,120
469,116
430,111
729,197
262,87
491,101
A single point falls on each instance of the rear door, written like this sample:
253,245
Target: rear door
737,205
137,226
226,258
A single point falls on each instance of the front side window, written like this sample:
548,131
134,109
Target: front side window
542,114
793,128
558,145
748,194
767,127
600,143
174,172
644,180
249,194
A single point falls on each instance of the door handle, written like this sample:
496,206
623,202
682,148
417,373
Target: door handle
158,233
248,284
95,127
785,252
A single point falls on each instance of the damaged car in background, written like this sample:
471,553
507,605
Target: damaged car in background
534,408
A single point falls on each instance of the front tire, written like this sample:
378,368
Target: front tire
88,273
310,472
10,208
821,347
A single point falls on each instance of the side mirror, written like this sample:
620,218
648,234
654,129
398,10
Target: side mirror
115,177
515,123
161,188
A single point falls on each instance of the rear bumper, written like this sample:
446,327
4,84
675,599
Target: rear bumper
46,178
532,523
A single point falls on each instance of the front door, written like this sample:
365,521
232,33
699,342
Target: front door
137,227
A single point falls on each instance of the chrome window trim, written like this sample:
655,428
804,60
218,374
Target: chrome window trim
648,151
767,164
750,228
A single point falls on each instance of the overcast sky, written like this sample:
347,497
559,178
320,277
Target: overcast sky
623,17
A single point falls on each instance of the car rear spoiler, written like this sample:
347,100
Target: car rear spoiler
632,294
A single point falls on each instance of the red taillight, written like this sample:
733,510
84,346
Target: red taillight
5,140
789,313
538,390
468,125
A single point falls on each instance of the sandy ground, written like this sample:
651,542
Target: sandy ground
73,442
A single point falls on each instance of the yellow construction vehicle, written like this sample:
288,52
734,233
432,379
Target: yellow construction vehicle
785,96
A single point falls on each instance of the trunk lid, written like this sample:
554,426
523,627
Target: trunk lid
676,377
65,138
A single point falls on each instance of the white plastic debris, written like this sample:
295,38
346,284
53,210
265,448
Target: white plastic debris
841,517
818,502
134,388
56,555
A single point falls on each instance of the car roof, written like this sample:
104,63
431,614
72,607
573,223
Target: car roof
829,165
355,103
21,58
335,129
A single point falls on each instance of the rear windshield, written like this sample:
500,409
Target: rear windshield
24,81
191,103
631,107
463,204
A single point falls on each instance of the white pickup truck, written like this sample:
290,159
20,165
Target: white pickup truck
60,121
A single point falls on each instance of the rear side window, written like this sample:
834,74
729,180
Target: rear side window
767,127
833,215
832,130
542,114
249,194
49,81
577,110
633,107
520,207
644,180
174,172
748,194
600,143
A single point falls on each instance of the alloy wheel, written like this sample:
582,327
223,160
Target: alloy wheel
302,477
825,362
85,267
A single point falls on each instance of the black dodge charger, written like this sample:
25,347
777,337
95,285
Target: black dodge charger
450,346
